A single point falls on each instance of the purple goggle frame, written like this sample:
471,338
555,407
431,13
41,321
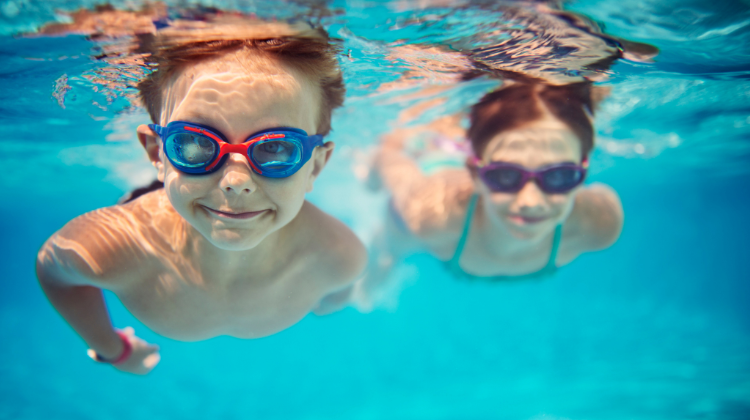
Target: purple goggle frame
558,178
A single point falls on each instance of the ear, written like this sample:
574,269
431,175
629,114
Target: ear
151,141
319,159
472,168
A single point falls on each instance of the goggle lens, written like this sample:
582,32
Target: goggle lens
560,179
552,180
190,150
276,155
504,179
198,150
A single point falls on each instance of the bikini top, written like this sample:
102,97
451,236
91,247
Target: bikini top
455,268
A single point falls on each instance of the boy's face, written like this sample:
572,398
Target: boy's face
235,208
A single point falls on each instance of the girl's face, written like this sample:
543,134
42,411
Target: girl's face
530,213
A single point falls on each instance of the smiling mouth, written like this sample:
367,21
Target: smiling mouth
235,215
526,220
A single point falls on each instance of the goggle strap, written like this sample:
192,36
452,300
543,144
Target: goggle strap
156,128
316,140
250,159
203,132
226,148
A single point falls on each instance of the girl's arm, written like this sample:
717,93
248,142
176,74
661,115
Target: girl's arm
426,203
598,216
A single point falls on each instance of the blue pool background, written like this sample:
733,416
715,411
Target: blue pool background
656,327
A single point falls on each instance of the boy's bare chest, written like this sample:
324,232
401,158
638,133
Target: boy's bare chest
193,306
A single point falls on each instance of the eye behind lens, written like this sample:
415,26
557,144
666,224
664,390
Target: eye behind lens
190,150
276,153
562,179
503,179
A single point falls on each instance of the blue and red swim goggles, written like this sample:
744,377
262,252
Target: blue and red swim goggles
199,149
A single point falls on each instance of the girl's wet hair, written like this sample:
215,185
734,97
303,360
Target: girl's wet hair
521,103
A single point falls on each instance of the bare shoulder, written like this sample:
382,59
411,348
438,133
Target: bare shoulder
339,255
103,246
597,217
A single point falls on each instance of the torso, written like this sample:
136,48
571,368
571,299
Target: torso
476,261
441,202
171,291
185,308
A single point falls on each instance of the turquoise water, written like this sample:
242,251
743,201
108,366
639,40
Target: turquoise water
656,327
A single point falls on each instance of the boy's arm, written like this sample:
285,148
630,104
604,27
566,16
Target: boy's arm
84,309
72,278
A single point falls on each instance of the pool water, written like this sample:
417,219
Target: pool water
655,327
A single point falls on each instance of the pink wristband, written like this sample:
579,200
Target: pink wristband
127,349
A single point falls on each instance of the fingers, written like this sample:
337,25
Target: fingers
151,360
139,342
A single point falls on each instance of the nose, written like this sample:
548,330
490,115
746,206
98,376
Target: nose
237,177
530,197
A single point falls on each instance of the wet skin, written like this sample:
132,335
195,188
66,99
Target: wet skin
511,233
230,253
530,213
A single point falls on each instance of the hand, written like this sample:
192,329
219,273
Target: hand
144,357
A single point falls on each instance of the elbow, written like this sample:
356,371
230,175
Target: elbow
59,269
610,225
48,275
604,216
357,263
609,236
44,266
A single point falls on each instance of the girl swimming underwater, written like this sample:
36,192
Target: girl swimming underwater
517,208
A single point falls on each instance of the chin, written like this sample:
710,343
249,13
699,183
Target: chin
529,231
233,241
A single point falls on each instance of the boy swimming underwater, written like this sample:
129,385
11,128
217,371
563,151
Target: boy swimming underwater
229,246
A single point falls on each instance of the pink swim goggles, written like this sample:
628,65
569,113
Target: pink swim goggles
558,178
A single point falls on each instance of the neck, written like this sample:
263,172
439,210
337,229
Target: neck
220,266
